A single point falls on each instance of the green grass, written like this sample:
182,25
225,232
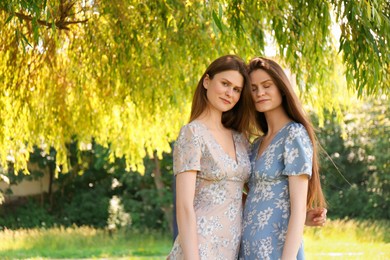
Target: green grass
83,242
339,239
349,239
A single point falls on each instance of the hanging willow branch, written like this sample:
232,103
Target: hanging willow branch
64,13
60,24
127,75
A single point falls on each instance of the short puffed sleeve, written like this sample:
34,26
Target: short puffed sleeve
187,150
298,151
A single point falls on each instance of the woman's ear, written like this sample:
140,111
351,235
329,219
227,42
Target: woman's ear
206,81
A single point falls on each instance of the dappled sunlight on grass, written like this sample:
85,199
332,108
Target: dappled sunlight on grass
339,239
352,230
348,239
83,242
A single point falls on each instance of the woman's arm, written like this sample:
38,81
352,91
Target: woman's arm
298,186
185,214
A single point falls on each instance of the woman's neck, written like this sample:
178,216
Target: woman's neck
212,119
276,119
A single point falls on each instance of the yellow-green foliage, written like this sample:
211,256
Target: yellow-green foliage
123,72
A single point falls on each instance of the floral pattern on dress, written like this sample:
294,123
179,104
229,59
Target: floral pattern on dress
218,191
267,208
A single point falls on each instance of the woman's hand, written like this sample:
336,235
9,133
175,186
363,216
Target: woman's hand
316,217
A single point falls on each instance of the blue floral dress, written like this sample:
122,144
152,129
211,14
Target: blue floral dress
218,192
267,207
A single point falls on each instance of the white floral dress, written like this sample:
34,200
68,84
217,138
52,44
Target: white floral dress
218,194
267,207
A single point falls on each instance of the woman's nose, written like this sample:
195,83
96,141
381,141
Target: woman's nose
229,91
260,92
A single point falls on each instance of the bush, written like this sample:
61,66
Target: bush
84,194
28,215
359,185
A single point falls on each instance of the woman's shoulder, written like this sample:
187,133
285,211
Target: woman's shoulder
295,125
296,132
296,128
193,126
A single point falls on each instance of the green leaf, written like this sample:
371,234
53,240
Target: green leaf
217,21
9,19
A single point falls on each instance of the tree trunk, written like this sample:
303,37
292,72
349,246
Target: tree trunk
51,180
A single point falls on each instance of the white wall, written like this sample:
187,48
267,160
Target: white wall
28,188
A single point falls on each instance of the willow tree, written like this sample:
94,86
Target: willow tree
123,72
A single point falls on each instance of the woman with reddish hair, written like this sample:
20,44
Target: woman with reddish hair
284,181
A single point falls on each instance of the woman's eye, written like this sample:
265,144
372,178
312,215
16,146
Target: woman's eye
254,89
238,90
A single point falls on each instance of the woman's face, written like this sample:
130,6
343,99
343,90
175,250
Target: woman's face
224,89
265,93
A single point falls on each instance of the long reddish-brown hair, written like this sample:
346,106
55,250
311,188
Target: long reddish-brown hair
294,109
239,117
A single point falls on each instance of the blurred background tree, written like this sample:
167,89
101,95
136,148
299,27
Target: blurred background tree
93,88
123,72
355,176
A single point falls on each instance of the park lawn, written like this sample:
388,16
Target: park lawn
339,239
81,242
334,248
348,239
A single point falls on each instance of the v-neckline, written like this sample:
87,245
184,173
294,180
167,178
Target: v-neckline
258,156
235,160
